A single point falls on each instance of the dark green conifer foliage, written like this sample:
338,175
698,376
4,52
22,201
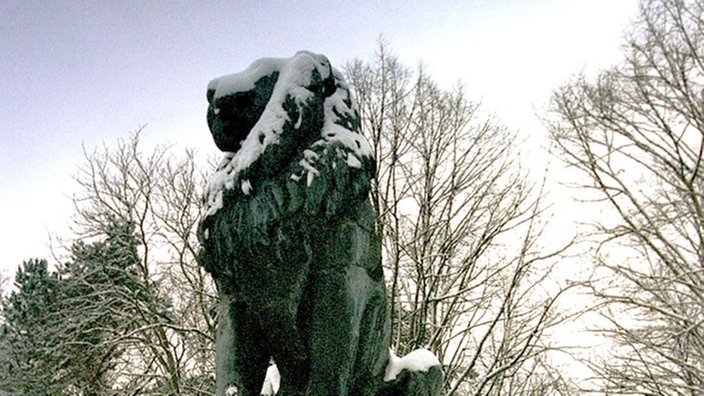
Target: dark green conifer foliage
98,290
29,314
67,330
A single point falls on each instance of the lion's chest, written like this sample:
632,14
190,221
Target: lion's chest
260,261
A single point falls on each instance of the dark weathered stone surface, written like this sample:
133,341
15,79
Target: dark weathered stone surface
289,236
414,383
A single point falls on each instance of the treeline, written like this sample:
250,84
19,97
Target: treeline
128,311
470,273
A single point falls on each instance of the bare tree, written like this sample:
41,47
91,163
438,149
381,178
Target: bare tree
460,224
159,194
637,133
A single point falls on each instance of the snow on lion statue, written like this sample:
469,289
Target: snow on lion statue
289,235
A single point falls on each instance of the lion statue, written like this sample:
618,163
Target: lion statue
289,234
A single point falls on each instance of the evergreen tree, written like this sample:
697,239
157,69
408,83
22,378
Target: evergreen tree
29,367
98,288
66,331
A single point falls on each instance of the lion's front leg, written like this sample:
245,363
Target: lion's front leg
339,301
241,358
287,347
331,335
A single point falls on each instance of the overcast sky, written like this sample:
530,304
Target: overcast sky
76,73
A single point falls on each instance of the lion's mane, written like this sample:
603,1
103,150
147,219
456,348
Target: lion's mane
302,168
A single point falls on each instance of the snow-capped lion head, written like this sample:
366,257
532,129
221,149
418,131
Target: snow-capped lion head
263,116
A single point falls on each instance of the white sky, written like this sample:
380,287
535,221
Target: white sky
88,72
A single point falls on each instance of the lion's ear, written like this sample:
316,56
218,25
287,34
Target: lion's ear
329,85
323,87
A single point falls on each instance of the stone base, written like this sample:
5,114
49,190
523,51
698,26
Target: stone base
415,383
